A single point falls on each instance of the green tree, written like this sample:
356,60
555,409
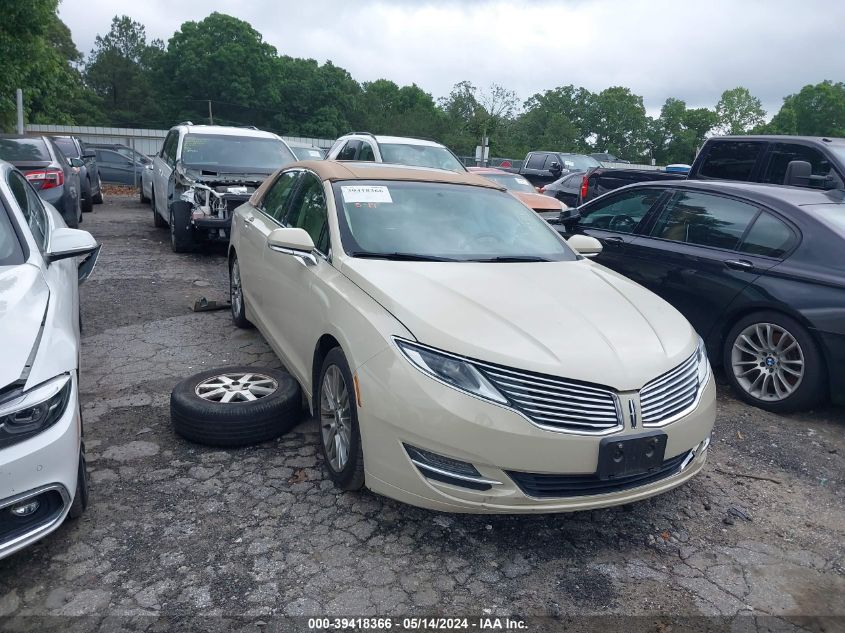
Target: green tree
617,121
385,108
474,113
817,110
675,136
738,111
555,119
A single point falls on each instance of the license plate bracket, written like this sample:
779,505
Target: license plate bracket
630,455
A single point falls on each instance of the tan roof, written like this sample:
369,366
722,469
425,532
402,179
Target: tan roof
334,170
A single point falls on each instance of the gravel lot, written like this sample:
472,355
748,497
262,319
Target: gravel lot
179,530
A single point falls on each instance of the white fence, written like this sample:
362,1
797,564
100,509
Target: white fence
145,141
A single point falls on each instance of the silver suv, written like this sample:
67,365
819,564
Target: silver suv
400,150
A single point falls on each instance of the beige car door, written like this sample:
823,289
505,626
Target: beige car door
296,301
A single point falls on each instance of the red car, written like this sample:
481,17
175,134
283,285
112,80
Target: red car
547,207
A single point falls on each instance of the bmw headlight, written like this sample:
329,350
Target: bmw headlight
703,362
452,370
34,411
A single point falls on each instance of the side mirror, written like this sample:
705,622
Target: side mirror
76,162
585,245
66,243
89,153
798,173
292,242
555,168
569,217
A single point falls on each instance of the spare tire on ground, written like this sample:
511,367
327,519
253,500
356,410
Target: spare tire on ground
235,406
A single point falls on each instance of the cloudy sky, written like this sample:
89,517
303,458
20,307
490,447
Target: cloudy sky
689,50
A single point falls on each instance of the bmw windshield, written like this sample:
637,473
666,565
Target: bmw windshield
429,221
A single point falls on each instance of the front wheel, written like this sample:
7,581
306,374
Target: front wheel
181,235
340,438
236,295
87,199
773,362
80,497
98,197
158,221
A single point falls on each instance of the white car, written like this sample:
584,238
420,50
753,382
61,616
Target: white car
457,352
203,172
398,150
42,456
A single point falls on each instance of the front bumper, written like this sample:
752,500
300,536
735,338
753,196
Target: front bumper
212,229
44,466
402,407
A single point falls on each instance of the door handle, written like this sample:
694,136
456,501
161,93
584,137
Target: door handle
614,240
739,264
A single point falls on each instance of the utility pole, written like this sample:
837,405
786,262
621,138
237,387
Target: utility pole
210,115
19,95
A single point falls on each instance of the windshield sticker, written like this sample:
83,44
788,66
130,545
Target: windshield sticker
522,181
365,193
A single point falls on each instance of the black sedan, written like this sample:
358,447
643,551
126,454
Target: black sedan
565,189
49,171
759,271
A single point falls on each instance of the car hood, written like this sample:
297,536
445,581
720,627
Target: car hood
538,201
572,319
23,302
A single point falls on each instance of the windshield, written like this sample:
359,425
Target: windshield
579,162
424,220
239,154
22,149
67,146
307,153
420,156
511,181
10,248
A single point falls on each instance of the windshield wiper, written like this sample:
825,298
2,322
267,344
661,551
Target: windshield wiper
512,258
403,257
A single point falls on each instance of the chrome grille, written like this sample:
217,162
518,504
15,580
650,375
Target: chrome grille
671,393
553,402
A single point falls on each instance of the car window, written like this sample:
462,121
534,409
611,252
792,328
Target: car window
308,211
169,149
67,146
420,156
550,160
366,152
31,207
768,236
731,160
275,200
24,149
109,156
621,213
11,250
349,150
535,161
781,155
704,219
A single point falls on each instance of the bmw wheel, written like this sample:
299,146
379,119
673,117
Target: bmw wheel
773,363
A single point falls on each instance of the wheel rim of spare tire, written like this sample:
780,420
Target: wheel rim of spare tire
236,387
767,362
335,418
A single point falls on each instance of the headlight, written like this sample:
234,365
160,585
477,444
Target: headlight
35,411
703,363
452,370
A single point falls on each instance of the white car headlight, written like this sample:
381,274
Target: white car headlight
34,411
452,370
703,362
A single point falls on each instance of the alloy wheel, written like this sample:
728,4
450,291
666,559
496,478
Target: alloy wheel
235,291
767,362
335,418
236,387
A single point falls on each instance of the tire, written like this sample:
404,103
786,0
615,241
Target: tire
98,197
236,296
181,236
87,201
158,221
217,423
749,359
80,497
348,476
141,197
72,219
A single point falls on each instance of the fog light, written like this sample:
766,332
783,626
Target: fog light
25,509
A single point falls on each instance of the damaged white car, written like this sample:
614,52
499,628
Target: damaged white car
204,172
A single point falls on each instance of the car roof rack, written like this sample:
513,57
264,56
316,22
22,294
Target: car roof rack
185,123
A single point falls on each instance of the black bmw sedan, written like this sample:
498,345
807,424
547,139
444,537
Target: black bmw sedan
759,271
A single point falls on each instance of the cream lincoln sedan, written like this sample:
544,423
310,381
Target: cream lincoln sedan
458,353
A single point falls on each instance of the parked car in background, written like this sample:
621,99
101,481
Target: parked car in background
541,168
399,150
89,172
145,191
457,353
757,269
304,151
565,189
604,157
119,164
600,180
546,207
799,161
43,478
203,172
49,171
